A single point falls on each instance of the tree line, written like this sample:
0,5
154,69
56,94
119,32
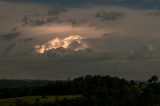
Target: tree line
95,90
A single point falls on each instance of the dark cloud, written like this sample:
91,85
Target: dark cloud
68,55
49,16
154,13
114,43
76,22
79,3
10,36
74,45
32,21
25,20
38,21
55,11
29,39
8,49
125,47
109,16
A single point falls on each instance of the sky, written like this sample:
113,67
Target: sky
61,39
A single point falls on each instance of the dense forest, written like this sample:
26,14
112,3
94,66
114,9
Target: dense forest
93,90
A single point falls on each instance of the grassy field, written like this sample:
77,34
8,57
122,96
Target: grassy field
33,99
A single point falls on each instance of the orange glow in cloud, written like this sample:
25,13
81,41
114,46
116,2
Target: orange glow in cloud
57,43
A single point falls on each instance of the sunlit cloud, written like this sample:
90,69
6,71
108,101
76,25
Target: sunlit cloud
64,43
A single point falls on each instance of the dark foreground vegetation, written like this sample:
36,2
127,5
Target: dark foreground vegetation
92,91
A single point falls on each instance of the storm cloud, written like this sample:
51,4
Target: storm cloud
29,39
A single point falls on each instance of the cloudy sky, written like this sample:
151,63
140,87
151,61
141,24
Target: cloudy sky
60,39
